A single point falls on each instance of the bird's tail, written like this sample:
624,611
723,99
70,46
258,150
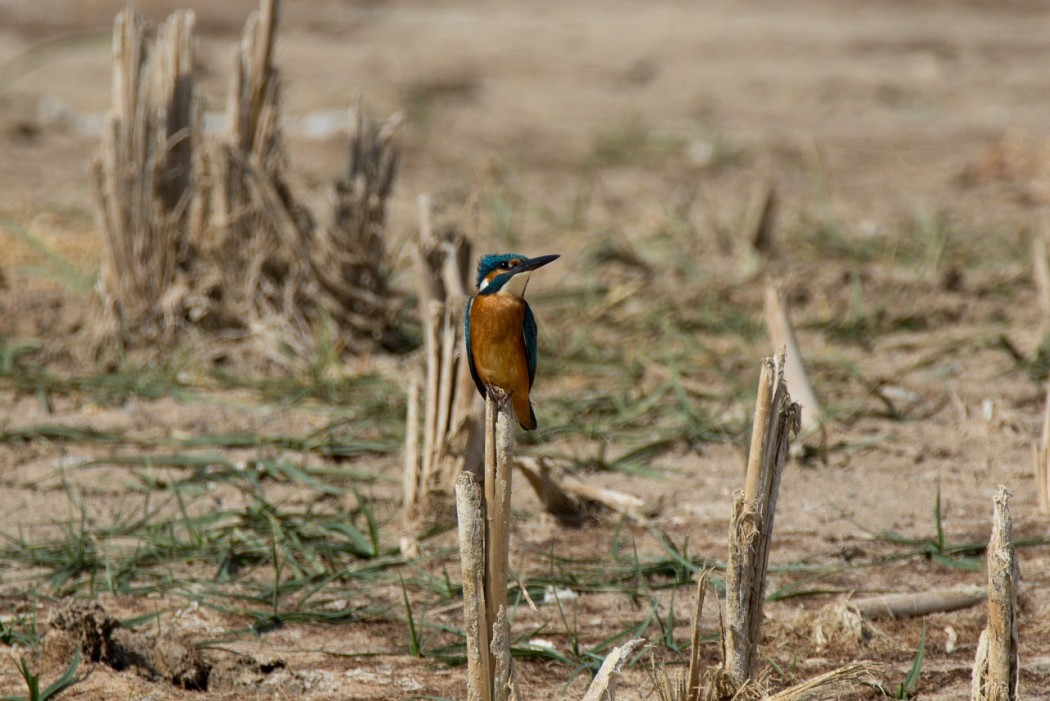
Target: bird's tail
523,410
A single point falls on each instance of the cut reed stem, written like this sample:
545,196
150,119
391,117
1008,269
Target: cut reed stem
751,527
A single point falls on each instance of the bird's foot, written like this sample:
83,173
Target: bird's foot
500,396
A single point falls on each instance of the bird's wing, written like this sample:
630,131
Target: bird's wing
529,328
470,353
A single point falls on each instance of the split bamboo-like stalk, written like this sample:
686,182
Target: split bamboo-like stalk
782,333
751,528
995,671
431,344
917,603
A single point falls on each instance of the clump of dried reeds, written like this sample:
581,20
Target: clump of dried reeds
208,234
145,172
452,434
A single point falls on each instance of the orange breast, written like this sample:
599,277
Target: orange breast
497,341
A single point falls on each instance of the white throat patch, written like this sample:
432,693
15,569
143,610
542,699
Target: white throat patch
515,287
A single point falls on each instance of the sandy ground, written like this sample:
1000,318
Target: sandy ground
872,114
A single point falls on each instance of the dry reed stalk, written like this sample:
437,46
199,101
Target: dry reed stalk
995,671
410,478
776,417
452,427
782,333
484,529
692,688
499,461
917,603
432,350
760,229
1041,459
471,515
603,687
1041,272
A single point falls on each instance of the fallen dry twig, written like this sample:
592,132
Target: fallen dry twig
916,603
569,498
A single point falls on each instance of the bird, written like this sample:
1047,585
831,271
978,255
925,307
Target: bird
501,332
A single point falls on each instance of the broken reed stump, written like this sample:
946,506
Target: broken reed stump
751,526
484,528
451,426
995,671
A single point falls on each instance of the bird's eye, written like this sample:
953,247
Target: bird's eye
505,265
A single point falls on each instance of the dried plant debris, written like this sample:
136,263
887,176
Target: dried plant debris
153,654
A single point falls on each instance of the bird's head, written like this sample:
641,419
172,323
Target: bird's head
507,273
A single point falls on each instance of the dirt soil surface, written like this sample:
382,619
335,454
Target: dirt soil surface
875,115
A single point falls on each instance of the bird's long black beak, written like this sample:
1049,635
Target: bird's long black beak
533,263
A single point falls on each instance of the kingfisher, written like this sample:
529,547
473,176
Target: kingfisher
501,332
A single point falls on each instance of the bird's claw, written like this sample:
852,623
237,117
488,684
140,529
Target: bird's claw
500,396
